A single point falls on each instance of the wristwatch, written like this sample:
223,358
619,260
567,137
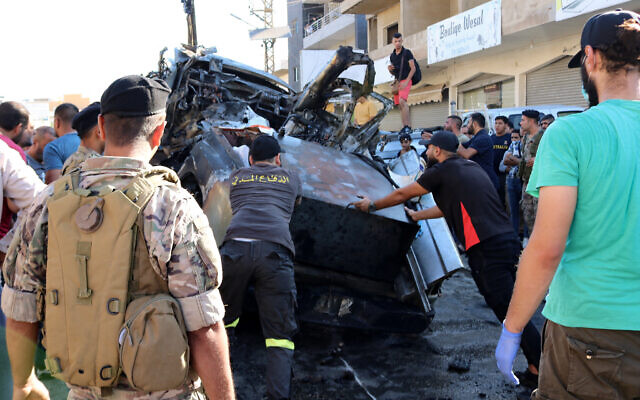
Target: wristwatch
372,207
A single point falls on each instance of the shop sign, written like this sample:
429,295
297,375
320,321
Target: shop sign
473,30
572,8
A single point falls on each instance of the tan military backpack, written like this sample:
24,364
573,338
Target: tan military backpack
106,310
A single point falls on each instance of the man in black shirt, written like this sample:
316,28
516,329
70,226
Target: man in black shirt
480,147
258,249
402,67
469,203
501,141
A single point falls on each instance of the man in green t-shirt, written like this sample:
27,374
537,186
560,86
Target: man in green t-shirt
584,247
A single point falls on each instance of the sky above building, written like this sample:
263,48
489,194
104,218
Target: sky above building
54,47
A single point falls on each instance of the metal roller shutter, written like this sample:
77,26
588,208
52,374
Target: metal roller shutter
429,114
555,84
422,116
509,93
392,121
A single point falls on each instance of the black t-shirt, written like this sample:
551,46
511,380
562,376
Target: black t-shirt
397,62
468,200
484,156
500,146
262,200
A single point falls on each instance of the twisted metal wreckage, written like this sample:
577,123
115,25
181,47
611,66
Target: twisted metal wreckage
376,271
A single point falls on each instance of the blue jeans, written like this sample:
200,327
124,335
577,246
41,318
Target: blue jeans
514,189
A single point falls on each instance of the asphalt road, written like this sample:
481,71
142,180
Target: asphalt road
354,365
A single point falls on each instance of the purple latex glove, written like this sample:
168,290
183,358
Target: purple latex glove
506,352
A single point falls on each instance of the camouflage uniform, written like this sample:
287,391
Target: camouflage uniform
193,274
529,203
81,155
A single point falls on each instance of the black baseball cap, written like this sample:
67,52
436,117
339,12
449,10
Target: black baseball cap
446,140
135,96
86,119
601,31
265,147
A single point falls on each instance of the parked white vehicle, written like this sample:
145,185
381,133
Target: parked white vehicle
514,114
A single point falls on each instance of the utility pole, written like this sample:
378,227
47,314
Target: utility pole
190,10
263,9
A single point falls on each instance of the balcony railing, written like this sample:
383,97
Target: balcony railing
320,23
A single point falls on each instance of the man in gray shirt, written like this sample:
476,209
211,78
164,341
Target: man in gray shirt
258,249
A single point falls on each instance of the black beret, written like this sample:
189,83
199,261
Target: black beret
86,119
135,96
531,114
265,147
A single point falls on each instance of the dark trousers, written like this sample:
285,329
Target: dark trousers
502,189
269,267
492,263
586,363
514,190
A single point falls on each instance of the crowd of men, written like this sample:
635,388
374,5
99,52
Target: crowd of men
580,198
119,265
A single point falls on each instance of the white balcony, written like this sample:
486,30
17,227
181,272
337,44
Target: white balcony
332,29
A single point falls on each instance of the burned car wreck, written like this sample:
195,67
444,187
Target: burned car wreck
378,271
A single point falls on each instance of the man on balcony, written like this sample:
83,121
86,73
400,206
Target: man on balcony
402,67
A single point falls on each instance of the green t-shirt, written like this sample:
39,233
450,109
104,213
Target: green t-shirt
597,284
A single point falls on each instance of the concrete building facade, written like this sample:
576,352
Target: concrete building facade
318,26
527,67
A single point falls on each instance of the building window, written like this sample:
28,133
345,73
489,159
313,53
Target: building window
391,30
296,78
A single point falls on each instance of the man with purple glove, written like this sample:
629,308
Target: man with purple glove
584,247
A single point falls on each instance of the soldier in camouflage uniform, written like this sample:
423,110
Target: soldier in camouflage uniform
91,144
531,140
173,228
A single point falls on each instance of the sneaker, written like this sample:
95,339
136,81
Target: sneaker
527,379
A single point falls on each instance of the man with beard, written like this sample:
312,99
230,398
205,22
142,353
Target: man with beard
14,125
454,124
468,201
480,147
584,249
42,136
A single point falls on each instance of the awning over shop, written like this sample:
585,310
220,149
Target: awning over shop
421,93
426,94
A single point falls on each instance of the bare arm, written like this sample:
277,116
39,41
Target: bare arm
429,213
210,359
21,345
466,153
52,175
542,255
398,196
